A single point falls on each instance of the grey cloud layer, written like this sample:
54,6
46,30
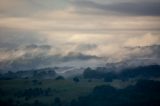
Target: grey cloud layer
122,8
39,56
11,38
25,8
43,33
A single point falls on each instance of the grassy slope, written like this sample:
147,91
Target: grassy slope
65,89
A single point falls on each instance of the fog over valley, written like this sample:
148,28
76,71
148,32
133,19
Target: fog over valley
79,52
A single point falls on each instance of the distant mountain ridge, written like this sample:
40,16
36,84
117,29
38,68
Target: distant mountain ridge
108,73
144,72
45,73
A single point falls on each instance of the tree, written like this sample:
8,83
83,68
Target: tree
73,102
57,102
76,79
59,78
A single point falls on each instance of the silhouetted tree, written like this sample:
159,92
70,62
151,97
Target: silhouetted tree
59,78
73,103
57,102
76,79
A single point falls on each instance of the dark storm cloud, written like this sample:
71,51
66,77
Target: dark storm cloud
122,8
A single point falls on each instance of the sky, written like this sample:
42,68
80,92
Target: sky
46,33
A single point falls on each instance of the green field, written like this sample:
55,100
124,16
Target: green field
66,90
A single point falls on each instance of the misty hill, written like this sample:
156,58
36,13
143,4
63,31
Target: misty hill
69,72
144,93
142,72
106,73
45,73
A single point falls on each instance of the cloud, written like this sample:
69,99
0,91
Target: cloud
85,24
13,38
33,46
25,8
140,56
38,33
139,8
144,40
78,56
86,47
38,56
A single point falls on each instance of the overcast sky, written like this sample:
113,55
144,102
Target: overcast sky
44,33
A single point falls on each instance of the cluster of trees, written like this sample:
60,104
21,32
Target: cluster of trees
33,92
45,73
93,74
75,79
10,102
144,93
144,72
59,78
